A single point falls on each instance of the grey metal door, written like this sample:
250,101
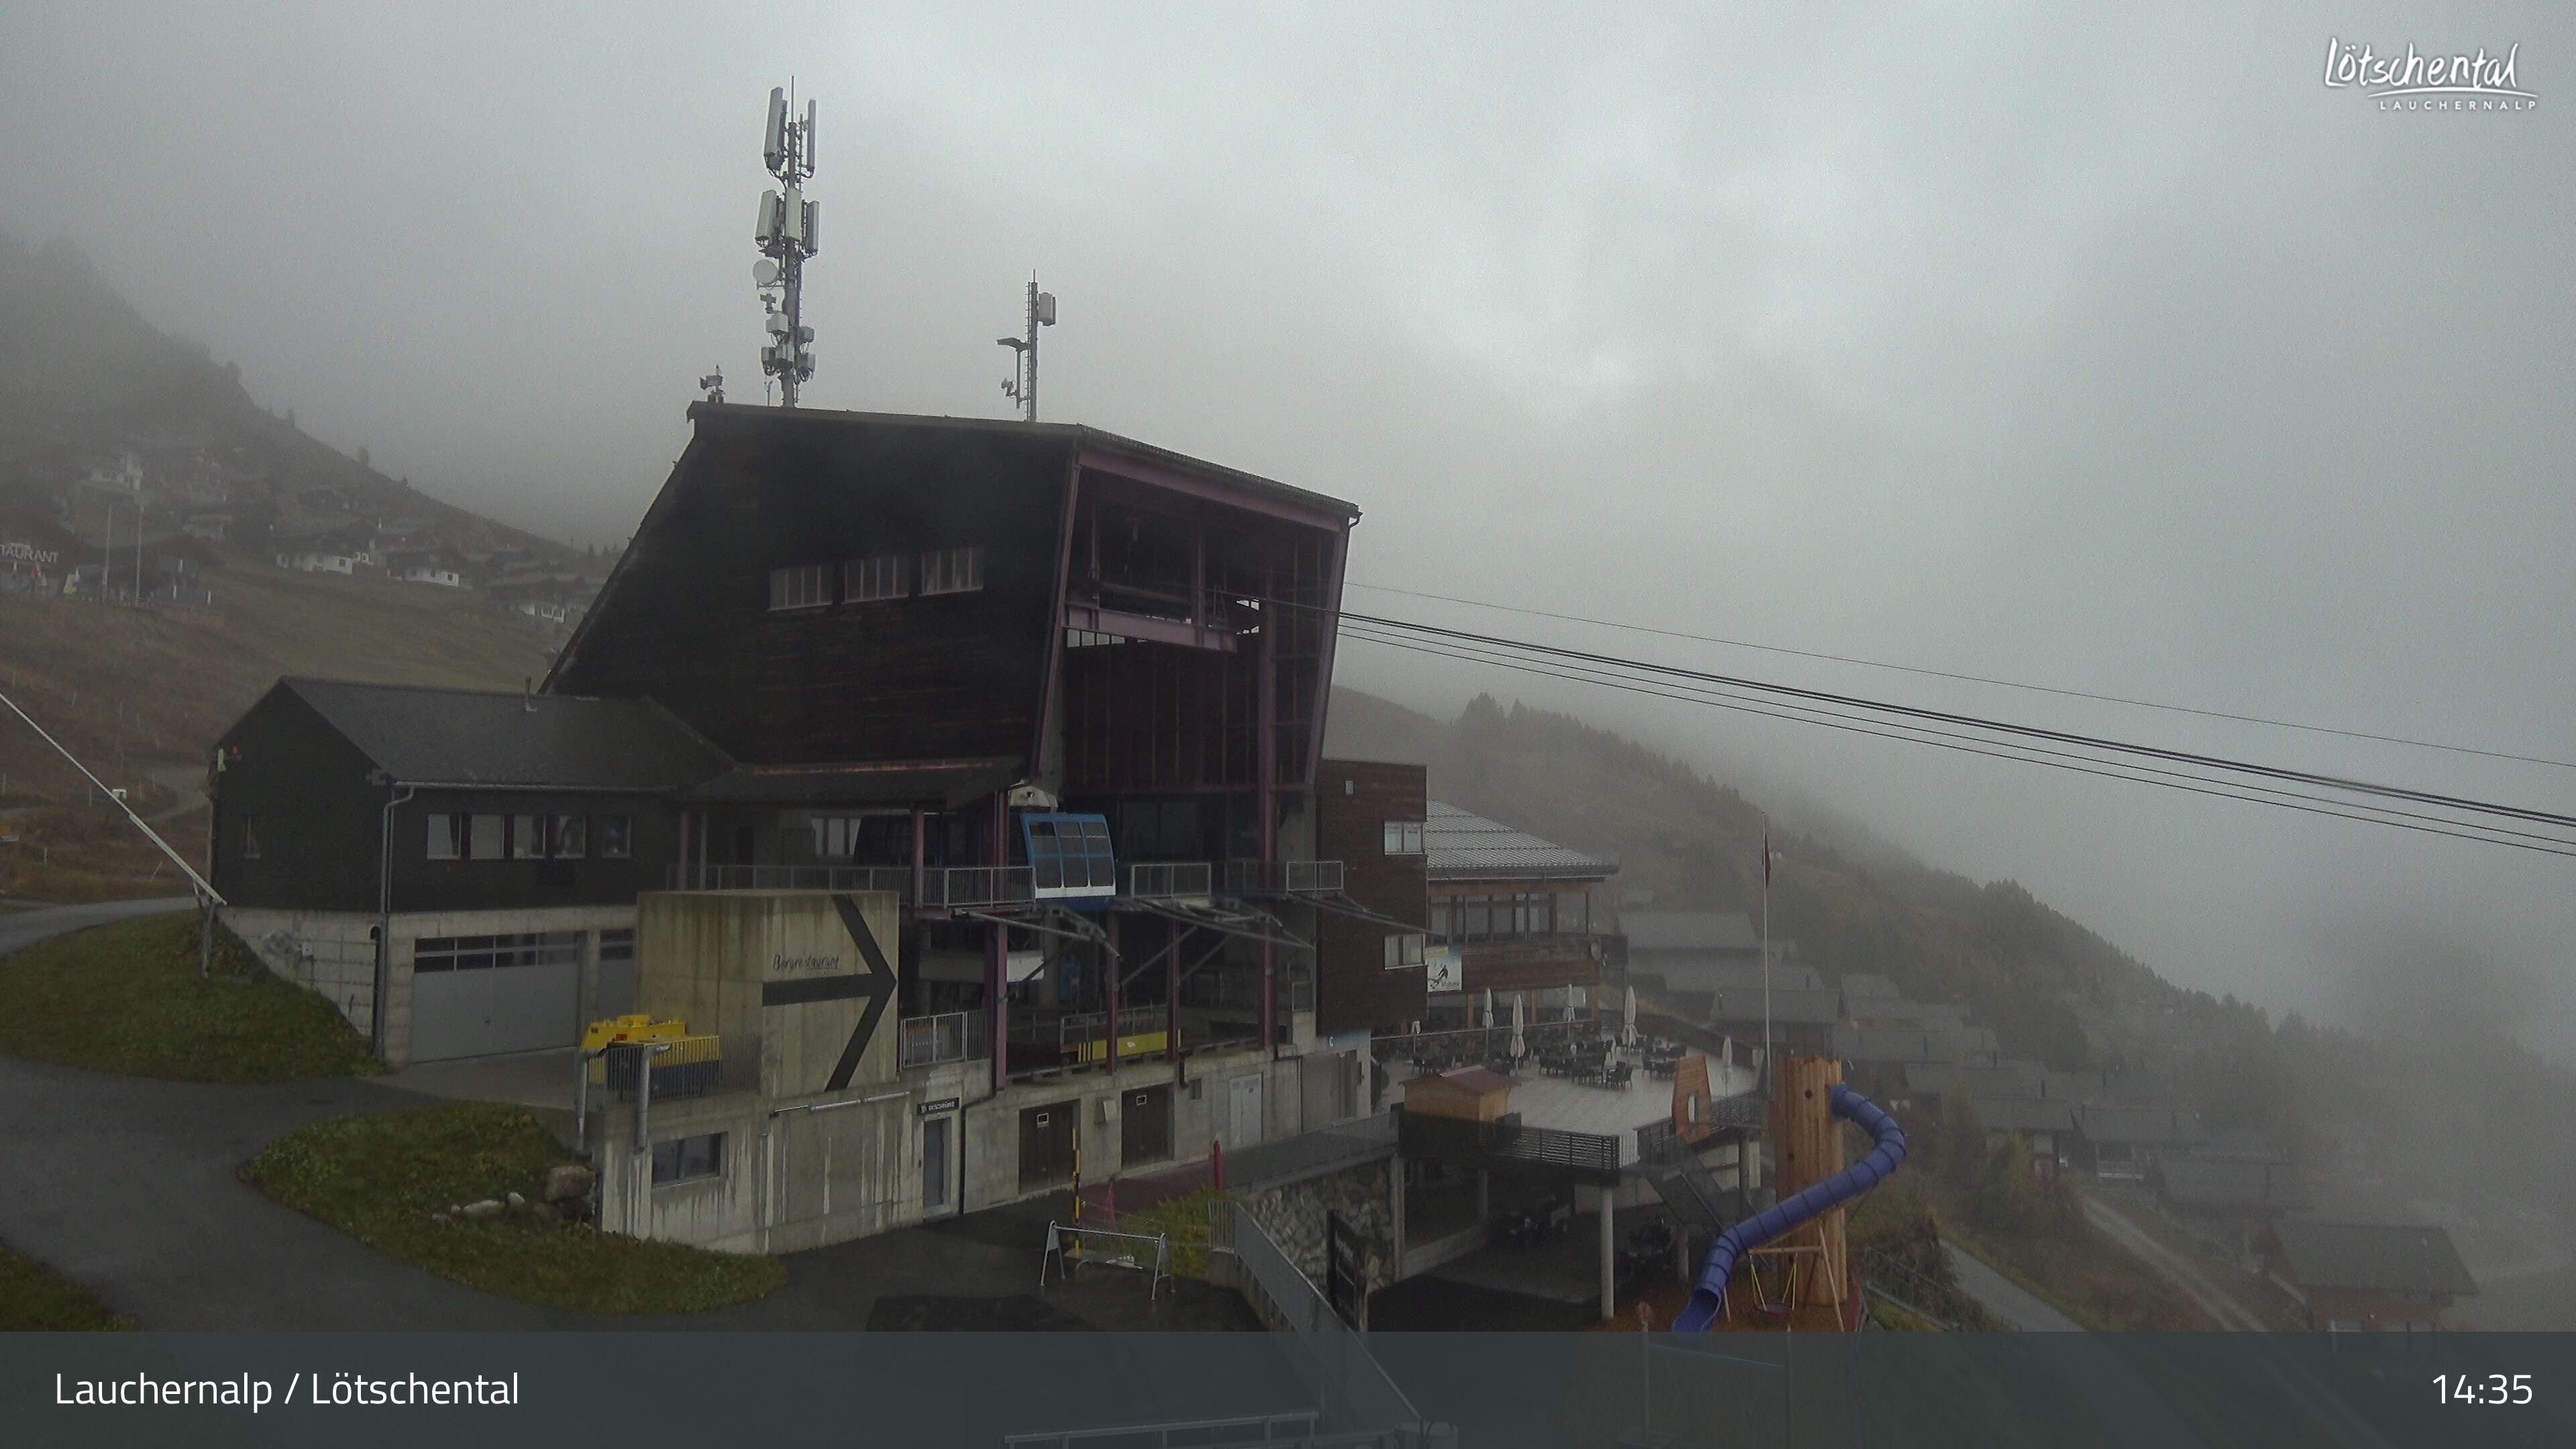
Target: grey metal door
1243,1112
478,996
937,1171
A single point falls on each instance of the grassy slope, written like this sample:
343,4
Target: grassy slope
34,1300
380,1177
153,690
127,998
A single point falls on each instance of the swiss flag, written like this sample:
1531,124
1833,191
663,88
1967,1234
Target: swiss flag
1766,860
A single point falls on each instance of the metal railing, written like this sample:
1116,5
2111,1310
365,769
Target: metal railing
1169,879
1507,1141
1283,877
950,1036
1356,1389
689,1066
689,877
978,885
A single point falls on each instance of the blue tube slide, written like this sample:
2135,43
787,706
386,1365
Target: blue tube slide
1708,1299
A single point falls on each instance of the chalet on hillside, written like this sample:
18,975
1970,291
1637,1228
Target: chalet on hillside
2124,1141
2368,1277
2230,1199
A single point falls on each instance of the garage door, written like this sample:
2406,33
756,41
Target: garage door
478,996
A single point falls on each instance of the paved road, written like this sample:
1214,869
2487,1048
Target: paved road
2006,1299
21,929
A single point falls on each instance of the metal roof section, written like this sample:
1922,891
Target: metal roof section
2374,1256
502,739
1075,435
1729,931
1462,845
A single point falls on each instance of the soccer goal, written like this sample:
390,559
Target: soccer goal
1068,1244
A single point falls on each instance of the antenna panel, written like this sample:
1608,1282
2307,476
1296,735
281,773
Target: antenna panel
809,137
765,230
774,147
813,214
1046,309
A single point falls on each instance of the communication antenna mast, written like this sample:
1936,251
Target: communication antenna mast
786,236
1023,388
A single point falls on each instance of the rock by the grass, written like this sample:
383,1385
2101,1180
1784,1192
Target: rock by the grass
441,1219
566,1181
545,1213
489,1207
517,1201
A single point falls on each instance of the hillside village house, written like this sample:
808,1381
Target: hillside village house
2368,1277
965,775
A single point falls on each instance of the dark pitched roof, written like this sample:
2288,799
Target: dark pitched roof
2025,1114
1693,974
2005,1079
1894,1044
1792,1007
1462,845
1728,931
1074,434
1869,984
1480,1080
2196,1182
2143,1126
943,784
428,736
2373,1256
1897,1011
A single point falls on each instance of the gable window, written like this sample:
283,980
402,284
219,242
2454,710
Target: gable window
1404,837
805,586
571,837
1403,951
250,837
486,841
527,837
447,837
836,837
614,838
953,570
865,580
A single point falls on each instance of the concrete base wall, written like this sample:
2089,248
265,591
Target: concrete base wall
1298,1218
334,952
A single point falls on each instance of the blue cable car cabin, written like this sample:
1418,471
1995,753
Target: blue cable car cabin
1070,858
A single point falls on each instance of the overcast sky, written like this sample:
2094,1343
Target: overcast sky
2122,356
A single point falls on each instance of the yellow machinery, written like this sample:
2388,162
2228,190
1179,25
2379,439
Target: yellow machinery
631,1028
691,1065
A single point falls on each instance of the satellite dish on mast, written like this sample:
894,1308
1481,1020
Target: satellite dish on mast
764,272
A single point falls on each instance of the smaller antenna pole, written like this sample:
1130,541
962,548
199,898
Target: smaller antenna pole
1032,388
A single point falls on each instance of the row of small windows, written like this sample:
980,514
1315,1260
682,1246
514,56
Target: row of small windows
880,576
1404,837
1403,951
530,837
498,953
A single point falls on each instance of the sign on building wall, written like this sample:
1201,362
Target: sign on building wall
800,981
1441,970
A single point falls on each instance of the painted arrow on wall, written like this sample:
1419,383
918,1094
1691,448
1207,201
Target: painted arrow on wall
876,983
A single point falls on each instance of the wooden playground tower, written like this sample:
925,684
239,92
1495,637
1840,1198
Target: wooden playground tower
1800,1282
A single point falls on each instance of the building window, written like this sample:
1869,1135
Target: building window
835,836
487,843
953,570
1403,951
614,841
1404,837
527,837
250,837
571,837
805,586
617,943
865,580
492,953
688,1159
1574,913
447,837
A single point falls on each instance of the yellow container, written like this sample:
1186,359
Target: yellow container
631,1028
